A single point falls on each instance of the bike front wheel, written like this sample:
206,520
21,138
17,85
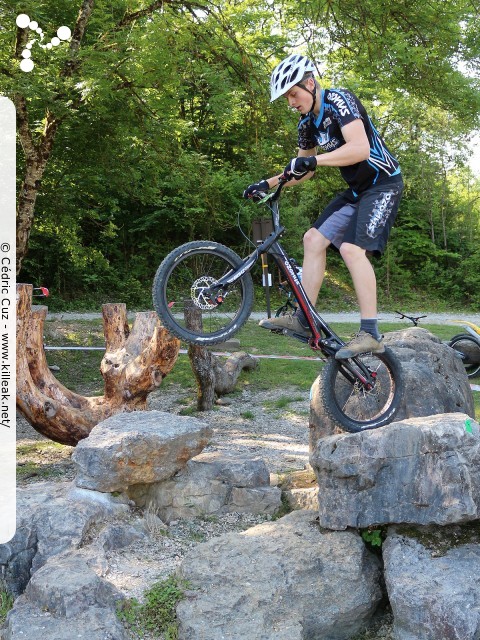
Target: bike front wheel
469,349
349,402
182,280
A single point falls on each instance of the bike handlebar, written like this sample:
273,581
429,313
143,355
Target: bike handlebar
261,196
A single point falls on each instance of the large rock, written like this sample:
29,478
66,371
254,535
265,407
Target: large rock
212,483
27,622
420,471
283,580
137,448
66,599
433,582
434,376
66,586
52,517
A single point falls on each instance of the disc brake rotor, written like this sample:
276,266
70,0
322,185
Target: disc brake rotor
198,293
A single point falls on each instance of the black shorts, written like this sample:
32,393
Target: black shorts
364,220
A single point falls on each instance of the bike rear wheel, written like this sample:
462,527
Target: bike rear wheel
469,348
182,279
348,402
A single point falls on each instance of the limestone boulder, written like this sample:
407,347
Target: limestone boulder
433,582
141,447
434,376
420,471
212,483
67,587
283,580
66,599
52,517
27,622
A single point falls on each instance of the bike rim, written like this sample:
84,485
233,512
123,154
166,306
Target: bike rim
359,404
186,284
470,351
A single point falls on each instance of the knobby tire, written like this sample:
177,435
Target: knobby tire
352,407
469,347
181,279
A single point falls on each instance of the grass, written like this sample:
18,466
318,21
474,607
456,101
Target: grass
476,400
43,460
6,603
282,402
157,613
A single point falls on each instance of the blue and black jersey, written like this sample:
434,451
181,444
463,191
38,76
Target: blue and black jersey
338,108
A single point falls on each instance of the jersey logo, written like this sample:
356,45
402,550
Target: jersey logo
327,122
339,102
322,138
327,143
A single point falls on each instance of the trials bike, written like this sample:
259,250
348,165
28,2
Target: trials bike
468,347
360,393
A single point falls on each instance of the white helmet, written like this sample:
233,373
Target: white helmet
289,73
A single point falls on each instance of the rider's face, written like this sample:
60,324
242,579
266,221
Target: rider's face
299,99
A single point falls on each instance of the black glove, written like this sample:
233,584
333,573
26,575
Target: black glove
254,189
299,167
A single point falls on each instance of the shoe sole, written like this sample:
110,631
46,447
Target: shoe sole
351,354
284,331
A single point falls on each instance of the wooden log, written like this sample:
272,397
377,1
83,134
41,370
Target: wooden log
134,364
48,408
226,374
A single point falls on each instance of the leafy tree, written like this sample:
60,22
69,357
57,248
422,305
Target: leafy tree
143,134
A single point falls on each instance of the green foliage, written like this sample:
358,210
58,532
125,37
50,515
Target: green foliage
283,509
6,603
166,120
157,612
374,537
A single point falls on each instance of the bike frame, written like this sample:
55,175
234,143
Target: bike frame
329,342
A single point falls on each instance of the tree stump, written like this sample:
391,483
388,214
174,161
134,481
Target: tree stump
214,377
134,364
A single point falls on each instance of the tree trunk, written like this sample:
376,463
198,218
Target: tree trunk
201,360
213,377
134,364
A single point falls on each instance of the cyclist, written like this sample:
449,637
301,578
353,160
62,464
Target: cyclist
357,221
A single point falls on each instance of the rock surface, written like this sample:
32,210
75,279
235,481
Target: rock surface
286,580
51,518
213,483
434,376
66,599
434,594
137,448
30,623
420,471
298,499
